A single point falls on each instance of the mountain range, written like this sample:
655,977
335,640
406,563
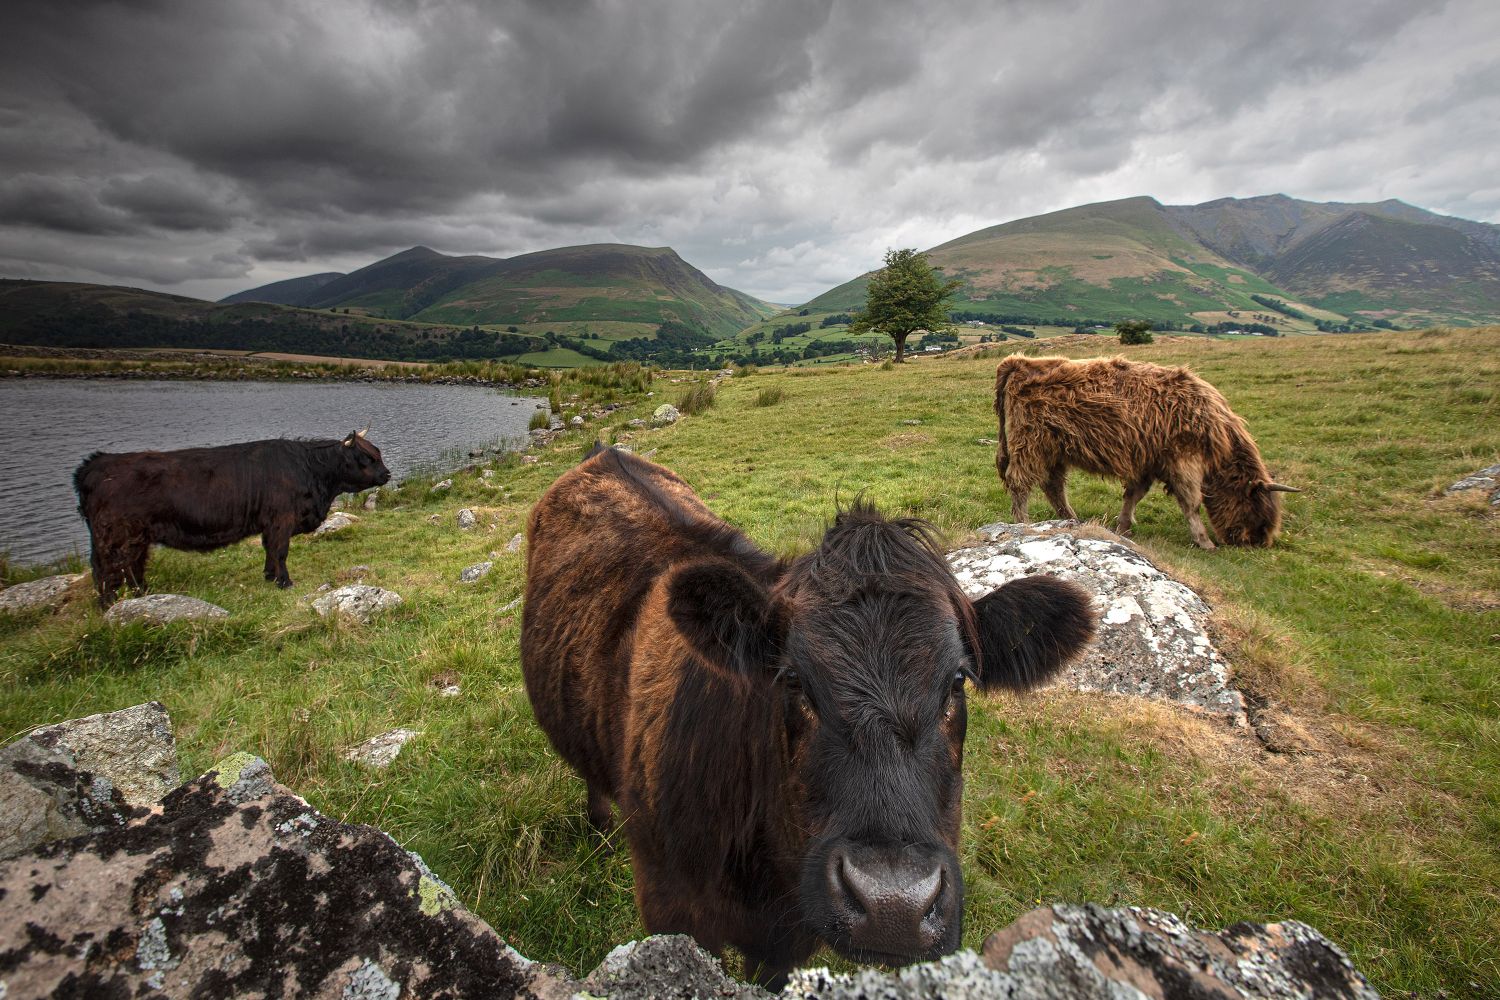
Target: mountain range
1179,265
567,288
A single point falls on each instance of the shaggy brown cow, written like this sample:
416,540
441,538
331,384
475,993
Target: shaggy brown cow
783,738
205,498
1138,423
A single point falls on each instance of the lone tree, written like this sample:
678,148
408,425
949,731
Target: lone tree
903,297
1134,331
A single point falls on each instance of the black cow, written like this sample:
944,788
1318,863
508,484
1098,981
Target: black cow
205,498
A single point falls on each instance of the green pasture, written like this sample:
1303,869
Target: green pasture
1368,637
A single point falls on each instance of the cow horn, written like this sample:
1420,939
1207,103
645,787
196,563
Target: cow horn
361,433
1278,488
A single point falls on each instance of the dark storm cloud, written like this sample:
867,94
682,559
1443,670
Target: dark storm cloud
780,144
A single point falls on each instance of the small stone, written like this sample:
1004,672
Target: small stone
529,459
665,414
637,422
912,423
515,543
487,474
160,609
446,484
466,518
512,605
337,521
359,601
372,500
451,691
478,571
48,592
576,421
380,751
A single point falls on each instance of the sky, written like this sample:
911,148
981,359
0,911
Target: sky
203,148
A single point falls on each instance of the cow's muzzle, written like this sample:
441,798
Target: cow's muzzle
893,905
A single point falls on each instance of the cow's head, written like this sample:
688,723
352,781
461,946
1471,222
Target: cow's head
1247,513
870,643
362,466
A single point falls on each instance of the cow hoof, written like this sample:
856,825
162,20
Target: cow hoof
284,584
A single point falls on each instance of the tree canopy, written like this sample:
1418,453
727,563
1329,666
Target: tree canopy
906,295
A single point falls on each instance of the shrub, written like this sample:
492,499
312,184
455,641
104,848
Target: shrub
888,365
1134,331
770,396
697,399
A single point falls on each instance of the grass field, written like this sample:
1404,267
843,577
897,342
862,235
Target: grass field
1370,634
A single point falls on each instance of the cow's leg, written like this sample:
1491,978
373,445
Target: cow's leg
1133,494
1186,486
1056,488
108,564
601,813
135,564
277,540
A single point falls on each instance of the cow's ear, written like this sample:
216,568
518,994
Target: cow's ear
1029,629
730,620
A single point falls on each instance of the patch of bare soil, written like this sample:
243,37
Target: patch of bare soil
905,439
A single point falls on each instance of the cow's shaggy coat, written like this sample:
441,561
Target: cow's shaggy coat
1139,423
205,498
782,738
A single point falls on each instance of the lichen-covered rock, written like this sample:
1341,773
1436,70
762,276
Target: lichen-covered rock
664,967
47,592
1091,952
380,751
467,518
665,414
372,501
1487,480
134,748
235,887
1153,636
337,521
446,484
162,609
44,796
359,601
575,421
515,543
476,572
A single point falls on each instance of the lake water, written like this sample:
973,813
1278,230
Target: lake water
48,426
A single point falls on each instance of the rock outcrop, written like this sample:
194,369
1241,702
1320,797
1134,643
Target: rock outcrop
162,609
232,885
1486,480
476,572
1153,638
359,601
337,521
47,592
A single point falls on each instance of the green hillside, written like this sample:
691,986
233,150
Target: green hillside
569,291
1181,266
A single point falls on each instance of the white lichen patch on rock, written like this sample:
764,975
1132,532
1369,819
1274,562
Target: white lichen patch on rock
1153,639
1487,480
380,751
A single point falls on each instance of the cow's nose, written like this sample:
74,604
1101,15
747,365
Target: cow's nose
896,904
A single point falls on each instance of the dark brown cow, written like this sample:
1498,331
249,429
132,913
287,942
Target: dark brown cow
205,498
783,738
1139,423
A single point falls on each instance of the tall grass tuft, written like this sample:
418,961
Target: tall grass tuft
539,420
770,396
697,399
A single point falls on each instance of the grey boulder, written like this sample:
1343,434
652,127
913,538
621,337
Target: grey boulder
47,592
359,601
161,609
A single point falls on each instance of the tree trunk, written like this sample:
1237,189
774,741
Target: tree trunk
900,339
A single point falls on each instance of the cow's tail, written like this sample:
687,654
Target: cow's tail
81,484
1002,447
